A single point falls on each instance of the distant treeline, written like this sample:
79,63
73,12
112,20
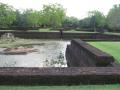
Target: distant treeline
54,16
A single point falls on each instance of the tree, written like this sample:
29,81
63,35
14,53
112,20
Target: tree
113,18
32,18
71,22
20,20
97,19
53,15
28,19
7,15
85,23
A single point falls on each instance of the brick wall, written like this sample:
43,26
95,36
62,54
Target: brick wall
59,76
81,54
66,35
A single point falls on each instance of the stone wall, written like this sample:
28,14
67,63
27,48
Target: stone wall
34,35
86,64
81,54
49,35
66,35
107,37
59,76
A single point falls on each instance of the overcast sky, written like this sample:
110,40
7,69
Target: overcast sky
77,8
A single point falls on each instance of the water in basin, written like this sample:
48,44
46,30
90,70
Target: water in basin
51,53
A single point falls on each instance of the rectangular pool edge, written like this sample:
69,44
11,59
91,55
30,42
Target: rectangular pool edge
59,76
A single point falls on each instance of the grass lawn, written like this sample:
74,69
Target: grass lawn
69,31
112,33
73,31
80,87
49,30
112,48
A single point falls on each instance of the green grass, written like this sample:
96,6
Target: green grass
69,31
49,30
40,30
112,48
74,31
80,87
112,33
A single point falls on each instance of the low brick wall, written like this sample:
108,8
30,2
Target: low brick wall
34,35
81,54
49,35
87,65
59,76
107,37
66,35
83,36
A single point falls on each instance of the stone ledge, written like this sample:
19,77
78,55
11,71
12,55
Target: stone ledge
59,76
82,52
66,35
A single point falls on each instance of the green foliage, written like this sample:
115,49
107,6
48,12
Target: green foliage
50,16
71,22
32,18
7,15
94,20
97,19
20,19
113,18
29,18
53,15
85,23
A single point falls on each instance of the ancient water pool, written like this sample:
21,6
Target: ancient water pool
51,53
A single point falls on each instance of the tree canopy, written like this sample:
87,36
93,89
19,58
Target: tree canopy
7,15
71,22
53,15
97,19
113,18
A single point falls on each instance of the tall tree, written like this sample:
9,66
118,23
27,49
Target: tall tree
85,23
71,22
113,18
32,18
21,20
53,15
97,19
7,15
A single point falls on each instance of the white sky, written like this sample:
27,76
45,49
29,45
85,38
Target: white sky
77,8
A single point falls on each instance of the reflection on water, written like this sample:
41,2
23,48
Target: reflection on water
50,54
